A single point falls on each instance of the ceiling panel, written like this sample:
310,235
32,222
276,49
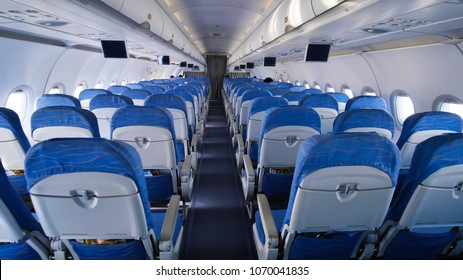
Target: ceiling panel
217,26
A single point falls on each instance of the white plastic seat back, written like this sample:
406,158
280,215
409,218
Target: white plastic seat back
104,116
408,149
346,198
12,153
180,123
89,205
45,133
438,200
327,117
154,145
279,146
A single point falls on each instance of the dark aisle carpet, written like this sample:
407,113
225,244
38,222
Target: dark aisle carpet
217,225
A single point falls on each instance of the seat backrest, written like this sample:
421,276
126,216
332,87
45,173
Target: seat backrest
280,91
237,97
19,227
428,209
104,106
282,134
432,193
154,89
294,97
246,100
342,182
256,112
285,85
134,86
63,121
146,83
313,91
297,88
326,106
117,89
342,99
48,100
87,94
190,104
13,142
150,130
421,126
138,96
366,102
177,107
100,194
365,120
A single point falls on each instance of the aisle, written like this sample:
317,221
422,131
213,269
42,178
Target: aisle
217,225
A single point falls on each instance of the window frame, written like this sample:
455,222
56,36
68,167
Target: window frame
446,98
395,108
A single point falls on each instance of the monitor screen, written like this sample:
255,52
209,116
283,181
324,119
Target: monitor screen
317,52
164,60
114,49
196,67
243,66
183,64
270,61
237,68
190,65
250,65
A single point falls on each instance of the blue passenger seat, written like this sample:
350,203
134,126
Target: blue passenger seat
426,217
90,197
340,194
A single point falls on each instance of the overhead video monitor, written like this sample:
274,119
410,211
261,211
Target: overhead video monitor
317,52
270,61
164,60
196,67
183,64
114,49
250,65
237,68
243,66
190,65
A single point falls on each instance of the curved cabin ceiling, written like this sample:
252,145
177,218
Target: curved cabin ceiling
218,26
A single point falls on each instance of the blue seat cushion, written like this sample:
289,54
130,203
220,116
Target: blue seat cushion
159,187
418,246
18,251
19,184
158,220
278,216
325,246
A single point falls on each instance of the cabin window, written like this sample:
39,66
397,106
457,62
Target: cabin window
297,83
448,103
306,84
329,88
17,101
80,87
368,91
124,82
113,83
56,89
99,84
346,90
316,85
288,81
402,106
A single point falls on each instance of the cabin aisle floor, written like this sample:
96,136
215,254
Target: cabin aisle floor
217,225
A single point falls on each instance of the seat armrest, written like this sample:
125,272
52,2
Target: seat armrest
239,150
186,180
268,223
168,227
248,179
194,142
